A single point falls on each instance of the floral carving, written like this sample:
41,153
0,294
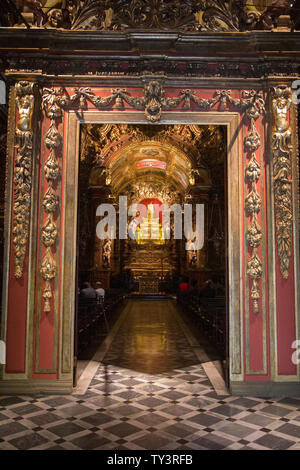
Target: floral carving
51,200
282,180
253,202
48,271
254,234
190,15
153,102
53,103
22,173
253,170
252,143
49,232
254,270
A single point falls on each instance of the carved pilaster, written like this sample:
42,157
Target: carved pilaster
22,172
282,175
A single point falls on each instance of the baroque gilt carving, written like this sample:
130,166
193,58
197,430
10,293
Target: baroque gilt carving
253,201
53,101
282,175
22,172
120,15
153,102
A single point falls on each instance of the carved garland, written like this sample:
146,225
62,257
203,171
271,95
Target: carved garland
282,171
53,101
22,173
253,204
153,102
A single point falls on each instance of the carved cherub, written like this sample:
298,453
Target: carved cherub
25,108
281,106
55,18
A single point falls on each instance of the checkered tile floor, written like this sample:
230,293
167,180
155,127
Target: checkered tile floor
158,408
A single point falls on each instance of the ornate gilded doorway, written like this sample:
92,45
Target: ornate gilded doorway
152,166
229,121
46,329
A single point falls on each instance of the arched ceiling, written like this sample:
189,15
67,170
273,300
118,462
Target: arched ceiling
120,155
149,160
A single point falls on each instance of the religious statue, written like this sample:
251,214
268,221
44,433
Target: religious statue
167,231
150,228
193,261
106,250
133,227
150,211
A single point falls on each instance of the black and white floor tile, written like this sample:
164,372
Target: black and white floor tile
150,392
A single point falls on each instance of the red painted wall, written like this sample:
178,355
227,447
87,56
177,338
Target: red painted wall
18,290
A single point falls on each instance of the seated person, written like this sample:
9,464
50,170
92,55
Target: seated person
100,292
184,286
88,293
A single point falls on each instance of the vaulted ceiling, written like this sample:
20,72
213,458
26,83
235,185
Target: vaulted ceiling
119,155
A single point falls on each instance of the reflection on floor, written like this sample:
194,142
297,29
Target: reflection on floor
150,392
150,341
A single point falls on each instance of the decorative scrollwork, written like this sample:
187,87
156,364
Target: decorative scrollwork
282,171
22,173
221,16
153,102
140,190
190,15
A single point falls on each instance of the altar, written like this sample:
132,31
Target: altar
148,285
